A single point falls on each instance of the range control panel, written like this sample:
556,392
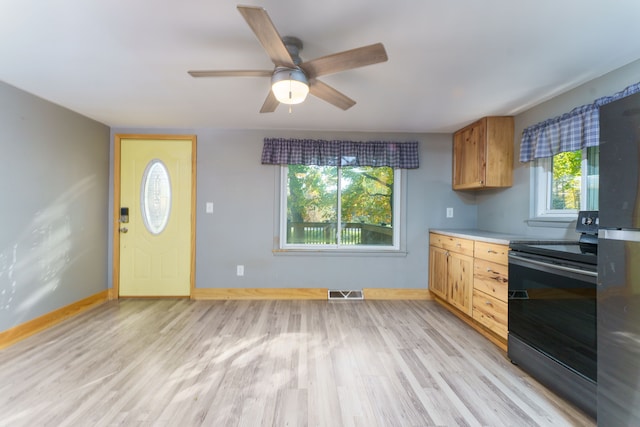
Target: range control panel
587,226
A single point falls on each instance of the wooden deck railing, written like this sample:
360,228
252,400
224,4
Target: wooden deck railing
320,233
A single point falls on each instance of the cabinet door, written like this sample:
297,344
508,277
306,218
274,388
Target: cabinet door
498,152
460,275
438,271
469,157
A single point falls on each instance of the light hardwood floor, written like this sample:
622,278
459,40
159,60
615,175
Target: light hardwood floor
270,363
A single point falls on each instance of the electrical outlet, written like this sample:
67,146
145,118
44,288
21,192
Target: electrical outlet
209,207
449,212
240,270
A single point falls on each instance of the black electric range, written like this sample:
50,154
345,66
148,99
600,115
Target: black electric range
552,312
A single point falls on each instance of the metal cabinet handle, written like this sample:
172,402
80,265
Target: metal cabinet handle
124,229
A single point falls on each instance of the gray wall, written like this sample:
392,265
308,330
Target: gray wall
56,189
54,172
508,210
242,228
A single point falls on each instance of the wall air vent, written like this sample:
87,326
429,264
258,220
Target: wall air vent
345,295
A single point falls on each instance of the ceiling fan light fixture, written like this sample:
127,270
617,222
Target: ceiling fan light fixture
289,85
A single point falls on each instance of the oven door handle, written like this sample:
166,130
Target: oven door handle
552,266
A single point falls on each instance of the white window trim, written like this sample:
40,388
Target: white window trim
541,178
399,228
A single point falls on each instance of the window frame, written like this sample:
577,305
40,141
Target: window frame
542,177
399,200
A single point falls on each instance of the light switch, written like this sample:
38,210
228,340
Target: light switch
449,212
209,207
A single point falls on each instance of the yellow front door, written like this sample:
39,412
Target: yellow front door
155,216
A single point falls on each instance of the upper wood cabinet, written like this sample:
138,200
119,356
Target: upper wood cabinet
483,154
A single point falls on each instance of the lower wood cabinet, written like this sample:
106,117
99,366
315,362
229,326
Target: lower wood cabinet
451,271
471,278
460,282
491,313
491,286
438,271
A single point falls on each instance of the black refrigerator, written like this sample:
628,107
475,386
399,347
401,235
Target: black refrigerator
618,297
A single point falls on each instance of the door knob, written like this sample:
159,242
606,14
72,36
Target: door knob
123,229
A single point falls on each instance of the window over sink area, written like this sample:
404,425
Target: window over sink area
565,184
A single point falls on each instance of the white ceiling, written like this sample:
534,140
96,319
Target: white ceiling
124,62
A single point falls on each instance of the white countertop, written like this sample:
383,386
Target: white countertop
484,236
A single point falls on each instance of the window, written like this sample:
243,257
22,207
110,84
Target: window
340,207
341,195
155,197
566,183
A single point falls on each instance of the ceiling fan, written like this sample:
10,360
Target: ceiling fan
292,78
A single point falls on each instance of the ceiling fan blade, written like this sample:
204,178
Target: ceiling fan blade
330,95
349,59
270,103
267,34
231,73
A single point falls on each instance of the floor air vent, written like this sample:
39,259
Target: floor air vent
345,295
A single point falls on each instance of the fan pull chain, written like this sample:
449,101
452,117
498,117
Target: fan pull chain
290,91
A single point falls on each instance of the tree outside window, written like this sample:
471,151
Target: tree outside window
566,180
567,183
340,206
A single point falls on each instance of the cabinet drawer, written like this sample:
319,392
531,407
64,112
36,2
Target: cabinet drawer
491,278
492,252
491,313
453,244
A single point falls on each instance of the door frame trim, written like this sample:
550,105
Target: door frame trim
114,291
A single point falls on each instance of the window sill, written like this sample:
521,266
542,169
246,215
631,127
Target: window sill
339,252
552,221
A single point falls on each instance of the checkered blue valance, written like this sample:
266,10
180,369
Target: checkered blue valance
280,151
579,128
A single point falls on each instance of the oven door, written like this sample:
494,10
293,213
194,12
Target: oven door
552,308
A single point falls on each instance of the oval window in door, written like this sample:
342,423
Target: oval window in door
155,196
